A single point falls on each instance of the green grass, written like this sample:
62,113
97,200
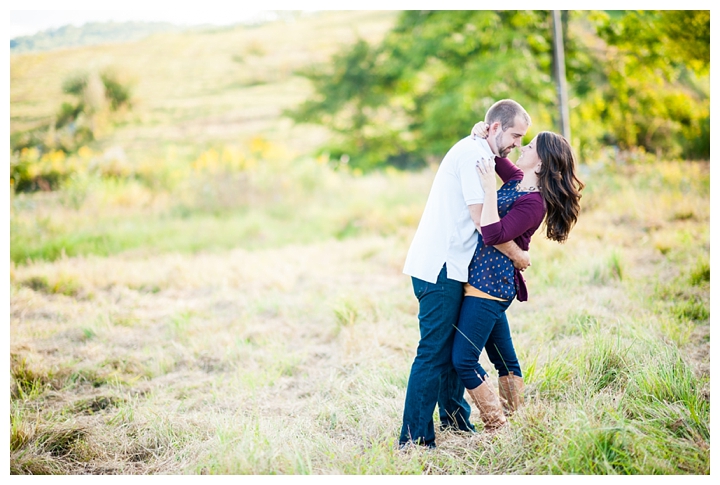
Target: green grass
275,201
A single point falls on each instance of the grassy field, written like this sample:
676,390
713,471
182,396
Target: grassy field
292,358
248,315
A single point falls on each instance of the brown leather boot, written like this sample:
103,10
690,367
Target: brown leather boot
511,392
488,404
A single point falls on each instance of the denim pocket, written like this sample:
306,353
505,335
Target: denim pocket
420,287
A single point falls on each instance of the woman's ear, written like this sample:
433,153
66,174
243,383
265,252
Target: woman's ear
538,166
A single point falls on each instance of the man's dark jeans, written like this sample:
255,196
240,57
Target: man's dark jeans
433,379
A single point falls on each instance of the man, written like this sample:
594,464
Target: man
438,261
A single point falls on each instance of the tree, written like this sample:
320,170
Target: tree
657,95
435,74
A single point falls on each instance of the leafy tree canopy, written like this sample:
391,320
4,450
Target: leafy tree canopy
636,79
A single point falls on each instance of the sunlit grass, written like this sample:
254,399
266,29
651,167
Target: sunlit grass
270,200
292,356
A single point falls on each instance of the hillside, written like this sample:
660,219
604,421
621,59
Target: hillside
92,33
194,89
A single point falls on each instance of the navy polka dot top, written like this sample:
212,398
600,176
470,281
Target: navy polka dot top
490,270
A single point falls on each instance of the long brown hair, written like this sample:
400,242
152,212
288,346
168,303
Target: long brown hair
559,185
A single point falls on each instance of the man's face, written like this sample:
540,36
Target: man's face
505,141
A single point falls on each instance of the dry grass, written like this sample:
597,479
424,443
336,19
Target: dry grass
227,340
294,359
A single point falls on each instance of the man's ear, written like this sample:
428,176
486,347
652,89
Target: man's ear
495,127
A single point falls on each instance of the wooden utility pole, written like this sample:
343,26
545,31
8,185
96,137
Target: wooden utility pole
560,82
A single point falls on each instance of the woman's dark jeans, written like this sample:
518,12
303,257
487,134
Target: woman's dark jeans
483,324
433,380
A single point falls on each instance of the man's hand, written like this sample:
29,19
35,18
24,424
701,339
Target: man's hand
520,258
523,260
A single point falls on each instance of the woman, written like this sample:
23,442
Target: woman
541,186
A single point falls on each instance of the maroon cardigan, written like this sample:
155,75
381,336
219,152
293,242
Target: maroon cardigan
520,222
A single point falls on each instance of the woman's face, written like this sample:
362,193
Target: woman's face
529,159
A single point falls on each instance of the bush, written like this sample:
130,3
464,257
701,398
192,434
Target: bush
43,158
32,170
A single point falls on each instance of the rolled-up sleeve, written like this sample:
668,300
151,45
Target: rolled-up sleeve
526,213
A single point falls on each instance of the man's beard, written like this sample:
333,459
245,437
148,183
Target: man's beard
502,151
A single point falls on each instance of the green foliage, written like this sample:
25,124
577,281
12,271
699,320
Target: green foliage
669,382
64,285
349,103
700,274
435,74
44,158
692,309
346,314
31,170
75,85
681,37
68,113
27,381
428,82
116,92
687,297
39,158
657,92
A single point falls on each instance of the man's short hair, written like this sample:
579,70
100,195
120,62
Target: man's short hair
505,111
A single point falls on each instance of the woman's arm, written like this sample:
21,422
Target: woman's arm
489,216
526,214
486,171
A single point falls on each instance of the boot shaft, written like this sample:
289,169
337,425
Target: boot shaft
488,405
511,388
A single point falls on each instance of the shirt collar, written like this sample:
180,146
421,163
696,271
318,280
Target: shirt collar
484,147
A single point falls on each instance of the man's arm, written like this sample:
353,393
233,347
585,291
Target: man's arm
520,258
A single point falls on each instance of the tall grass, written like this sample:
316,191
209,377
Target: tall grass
260,197
287,351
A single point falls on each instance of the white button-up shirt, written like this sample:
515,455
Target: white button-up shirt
446,233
